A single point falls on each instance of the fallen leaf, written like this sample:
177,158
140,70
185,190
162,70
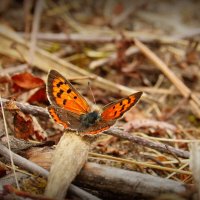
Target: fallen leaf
27,127
23,126
39,97
27,81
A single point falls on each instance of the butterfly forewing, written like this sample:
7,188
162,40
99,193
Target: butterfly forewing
116,109
62,93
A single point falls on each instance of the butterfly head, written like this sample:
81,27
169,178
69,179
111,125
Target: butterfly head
89,119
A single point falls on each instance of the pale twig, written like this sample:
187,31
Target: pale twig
13,70
8,142
75,37
183,89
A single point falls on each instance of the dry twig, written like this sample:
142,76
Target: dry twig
35,110
184,90
34,168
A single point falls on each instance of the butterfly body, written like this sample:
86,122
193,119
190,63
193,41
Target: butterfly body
89,119
71,110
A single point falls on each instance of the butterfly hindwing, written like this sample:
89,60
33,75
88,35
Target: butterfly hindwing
116,109
62,94
66,118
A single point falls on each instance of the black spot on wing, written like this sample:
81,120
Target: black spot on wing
59,84
75,97
129,100
115,113
113,107
122,108
59,93
69,90
64,101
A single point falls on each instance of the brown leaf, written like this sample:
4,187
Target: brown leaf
27,81
23,125
26,127
39,97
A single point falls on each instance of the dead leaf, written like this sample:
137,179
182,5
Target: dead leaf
27,127
39,97
27,81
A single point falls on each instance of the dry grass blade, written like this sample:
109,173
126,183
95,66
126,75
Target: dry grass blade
134,162
8,141
35,27
45,61
184,90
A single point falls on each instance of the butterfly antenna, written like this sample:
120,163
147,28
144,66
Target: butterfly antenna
91,93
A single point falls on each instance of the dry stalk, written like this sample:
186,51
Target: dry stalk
45,61
183,89
69,157
139,163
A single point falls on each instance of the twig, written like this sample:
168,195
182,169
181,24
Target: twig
145,123
75,37
35,110
110,179
184,90
13,70
144,142
112,38
9,146
92,173
34,168
27,108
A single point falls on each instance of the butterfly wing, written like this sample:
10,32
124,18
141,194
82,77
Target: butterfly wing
116,109
62,94
66,118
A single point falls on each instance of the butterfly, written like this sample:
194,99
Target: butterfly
71,110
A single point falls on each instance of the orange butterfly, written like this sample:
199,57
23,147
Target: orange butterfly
72,111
